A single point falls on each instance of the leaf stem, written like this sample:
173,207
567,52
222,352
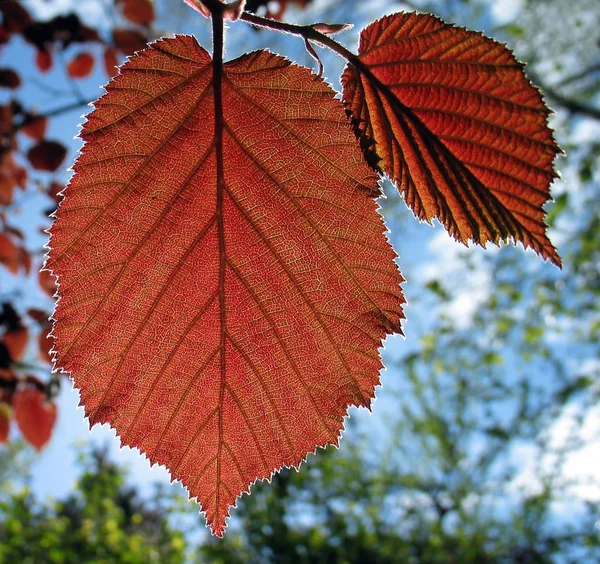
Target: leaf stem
309,33
31,117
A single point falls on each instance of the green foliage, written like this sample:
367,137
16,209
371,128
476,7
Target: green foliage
346,509
101,521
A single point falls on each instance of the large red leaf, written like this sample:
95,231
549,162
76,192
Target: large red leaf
450,117
221,309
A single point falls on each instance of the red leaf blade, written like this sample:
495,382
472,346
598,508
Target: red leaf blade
223,365
138,11
81,65
43,60
36,128
47,156
34,415
450,117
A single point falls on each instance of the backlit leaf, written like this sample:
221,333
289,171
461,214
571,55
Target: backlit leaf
47,155
43,60
138,11
221,305
8,183
35,415
15,342
81,65
4,422
9,79
15,18
450,117
110,61
9,253
36,128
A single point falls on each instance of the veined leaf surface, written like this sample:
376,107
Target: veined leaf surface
449,115
221,307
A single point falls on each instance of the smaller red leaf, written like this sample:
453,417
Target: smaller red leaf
9,254
138,11
9,79
21,176
47,155
35,416
36,128
15,342
7,186
15,17
43,60
54,191
111,62
128,41
4,422
8,383
81,66
38,315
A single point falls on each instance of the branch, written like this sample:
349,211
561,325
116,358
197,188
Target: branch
309,33
581,74
570,104
29,117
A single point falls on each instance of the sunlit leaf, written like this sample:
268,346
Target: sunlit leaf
224,280
9,253
43,60
15,342
4,423
110,61
81,65
35,415
47,155
138,11
450,117
36,128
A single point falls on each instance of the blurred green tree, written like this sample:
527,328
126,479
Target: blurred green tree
102,521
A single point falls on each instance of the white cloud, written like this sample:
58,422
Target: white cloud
505,11
579,472
470,288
